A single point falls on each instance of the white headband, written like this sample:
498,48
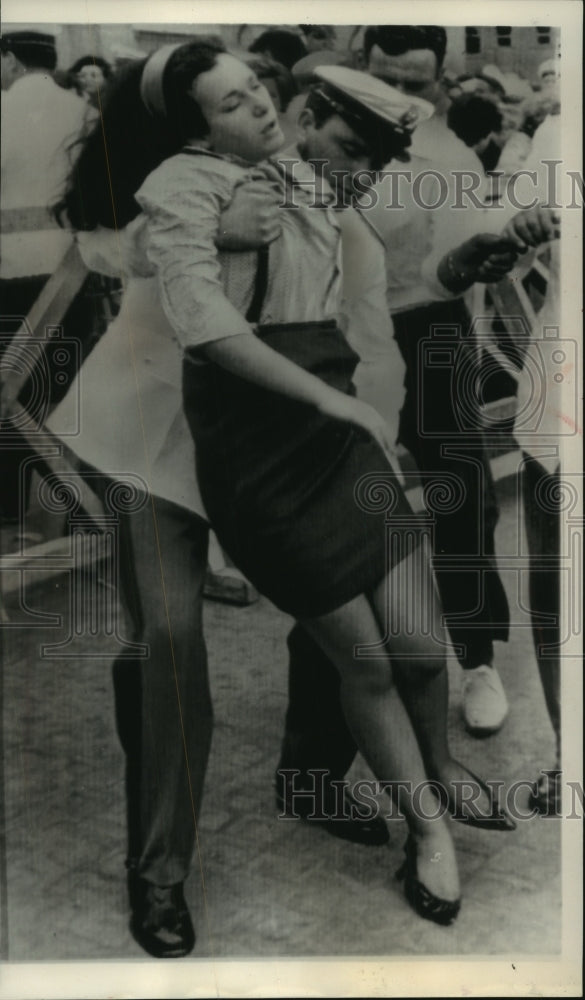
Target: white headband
151,83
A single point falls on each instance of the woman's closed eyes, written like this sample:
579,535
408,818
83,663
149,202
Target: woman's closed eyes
233,100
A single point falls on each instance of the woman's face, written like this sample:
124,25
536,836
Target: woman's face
90,78
241,116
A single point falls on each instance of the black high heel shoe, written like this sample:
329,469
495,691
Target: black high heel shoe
426,904
497,820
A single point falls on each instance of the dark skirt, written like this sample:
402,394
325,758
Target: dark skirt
277,478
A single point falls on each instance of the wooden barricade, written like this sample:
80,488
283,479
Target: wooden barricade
224,582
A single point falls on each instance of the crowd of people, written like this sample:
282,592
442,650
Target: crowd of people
273,323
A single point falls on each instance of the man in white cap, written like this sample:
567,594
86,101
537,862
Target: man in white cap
351,123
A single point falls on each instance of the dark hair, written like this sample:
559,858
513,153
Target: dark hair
318,30
128,142
395,40
383,141
33,49
473,118
92,61
268,69
284,46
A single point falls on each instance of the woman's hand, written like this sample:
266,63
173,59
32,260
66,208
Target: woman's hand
485,258
533,226
252,219
338,406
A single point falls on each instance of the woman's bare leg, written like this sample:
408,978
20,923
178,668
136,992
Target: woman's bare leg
383,731
408,609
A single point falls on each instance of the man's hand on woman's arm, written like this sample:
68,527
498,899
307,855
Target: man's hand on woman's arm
252,219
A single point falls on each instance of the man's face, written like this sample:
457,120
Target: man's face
338,145
91,78
321,36
414,73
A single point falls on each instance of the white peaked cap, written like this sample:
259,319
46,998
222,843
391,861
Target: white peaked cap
376,97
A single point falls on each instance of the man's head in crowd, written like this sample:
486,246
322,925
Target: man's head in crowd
346,132
473,118
408,57
283,46
318,37
90,73
23,52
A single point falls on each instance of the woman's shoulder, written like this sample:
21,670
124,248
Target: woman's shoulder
190,171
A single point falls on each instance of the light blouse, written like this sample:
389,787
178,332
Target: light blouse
205,292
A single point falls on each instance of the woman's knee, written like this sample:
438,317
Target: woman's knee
373,679
418,656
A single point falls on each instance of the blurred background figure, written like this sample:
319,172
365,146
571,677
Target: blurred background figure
474,119
41,123
278,80
318,37
280,45
89,75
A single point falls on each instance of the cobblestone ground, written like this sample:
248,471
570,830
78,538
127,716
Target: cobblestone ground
260,887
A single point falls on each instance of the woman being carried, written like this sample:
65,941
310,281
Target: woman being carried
282,444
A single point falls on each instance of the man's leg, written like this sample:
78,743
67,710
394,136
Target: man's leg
164,715
542,523
318,747
432,428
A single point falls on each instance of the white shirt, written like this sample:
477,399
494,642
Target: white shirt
40,123
415,237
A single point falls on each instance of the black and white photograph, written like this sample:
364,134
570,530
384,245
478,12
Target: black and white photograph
291,499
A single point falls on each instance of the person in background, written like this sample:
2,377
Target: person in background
419,297
277,79
474,119
318,37
282,46
90,75
41,123
541,471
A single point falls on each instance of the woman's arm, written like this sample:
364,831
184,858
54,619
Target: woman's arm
247,356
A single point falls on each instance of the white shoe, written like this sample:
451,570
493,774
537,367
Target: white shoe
484,702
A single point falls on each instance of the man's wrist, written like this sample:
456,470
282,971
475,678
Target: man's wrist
453,277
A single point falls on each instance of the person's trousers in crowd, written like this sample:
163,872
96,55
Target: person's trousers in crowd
163,703
440,425
316,735
47,385
542,518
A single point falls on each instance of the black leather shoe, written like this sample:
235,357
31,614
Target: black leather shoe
369,831
160,920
